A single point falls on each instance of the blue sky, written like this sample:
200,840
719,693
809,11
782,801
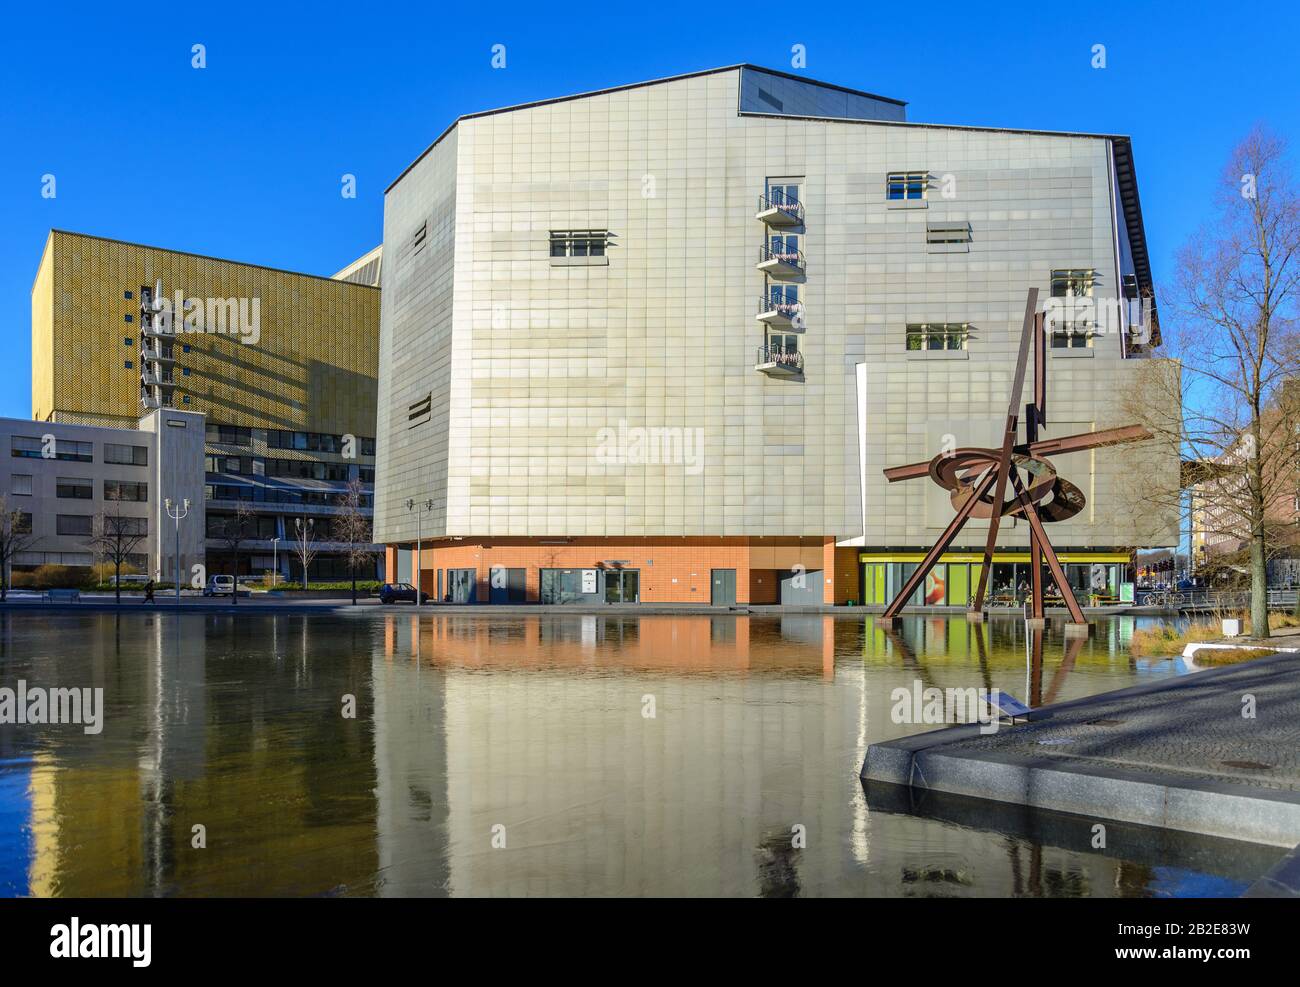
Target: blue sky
243,159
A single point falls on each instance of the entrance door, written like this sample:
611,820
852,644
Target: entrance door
623,586
724,587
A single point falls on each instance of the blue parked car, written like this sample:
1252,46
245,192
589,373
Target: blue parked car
400,593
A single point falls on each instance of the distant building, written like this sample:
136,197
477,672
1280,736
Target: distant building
64,478
657,343
280,366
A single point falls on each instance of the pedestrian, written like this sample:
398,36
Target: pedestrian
148,592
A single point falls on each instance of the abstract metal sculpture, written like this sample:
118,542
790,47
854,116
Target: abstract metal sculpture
978,479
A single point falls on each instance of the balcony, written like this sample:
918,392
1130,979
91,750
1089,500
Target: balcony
150,354
783,265
147,400
779,363
779,211
779,313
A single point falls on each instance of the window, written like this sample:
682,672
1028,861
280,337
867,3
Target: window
419,237
75,452
127,341
228,464
22,523
1073,325
72,488
126,295
904,185
419,412
306,469
579,243
947,233
128,318
366,474
128,364
229,435
123,455
21,485
1073,283
938,336
127,490
73,524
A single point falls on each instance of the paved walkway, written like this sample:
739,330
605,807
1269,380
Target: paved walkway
1178,754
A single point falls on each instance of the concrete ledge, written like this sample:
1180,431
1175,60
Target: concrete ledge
1283,881
1153,796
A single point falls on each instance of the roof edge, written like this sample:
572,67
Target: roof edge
739,66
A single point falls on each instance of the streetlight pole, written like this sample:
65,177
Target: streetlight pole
412,506
182,511
275,560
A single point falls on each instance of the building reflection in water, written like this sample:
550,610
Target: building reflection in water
613,755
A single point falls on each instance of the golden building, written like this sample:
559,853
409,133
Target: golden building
282,365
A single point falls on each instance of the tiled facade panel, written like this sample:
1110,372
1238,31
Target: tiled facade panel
543,357
415,344
313,366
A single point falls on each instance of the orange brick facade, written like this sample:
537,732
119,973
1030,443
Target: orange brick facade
672,570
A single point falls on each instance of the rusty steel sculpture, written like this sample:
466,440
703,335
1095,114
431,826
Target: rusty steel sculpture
977,480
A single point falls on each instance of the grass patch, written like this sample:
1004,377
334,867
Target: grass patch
1166,640
1230,656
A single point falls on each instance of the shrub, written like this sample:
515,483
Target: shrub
56,577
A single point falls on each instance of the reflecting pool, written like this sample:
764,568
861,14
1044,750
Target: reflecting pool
552,754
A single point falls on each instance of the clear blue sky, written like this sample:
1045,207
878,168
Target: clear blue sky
243,159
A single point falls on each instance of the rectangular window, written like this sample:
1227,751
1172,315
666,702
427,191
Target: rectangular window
124,455
938,336
23,523
1073,326
128,490
72,488
579,243
28,447
229,435
21,485
73,524
1073,282
947,233
904,185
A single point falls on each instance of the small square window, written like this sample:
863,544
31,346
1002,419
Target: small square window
185,371
185,399
128,317
126,295
127,341
185,348
128,364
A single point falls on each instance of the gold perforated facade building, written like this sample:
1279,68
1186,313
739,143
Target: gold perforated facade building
287,384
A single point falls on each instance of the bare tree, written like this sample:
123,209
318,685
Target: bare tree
15,536
352,527
304,545
1235,298
116,538
234,530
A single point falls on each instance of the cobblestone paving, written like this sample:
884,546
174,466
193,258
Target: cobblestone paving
1192,727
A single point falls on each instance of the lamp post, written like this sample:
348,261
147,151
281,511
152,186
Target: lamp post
182,511
275,560
411,505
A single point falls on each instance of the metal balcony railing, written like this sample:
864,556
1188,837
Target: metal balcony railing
788,258
791,360
780,307
787,208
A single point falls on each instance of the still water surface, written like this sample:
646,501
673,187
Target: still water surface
611,755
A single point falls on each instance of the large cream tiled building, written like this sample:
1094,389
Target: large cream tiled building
658,342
